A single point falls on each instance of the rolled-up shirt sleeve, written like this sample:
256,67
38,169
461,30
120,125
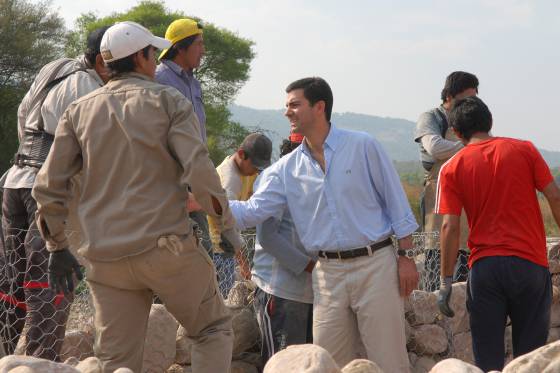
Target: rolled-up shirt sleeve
269,200
389,188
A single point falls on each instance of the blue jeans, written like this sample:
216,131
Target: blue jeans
502,286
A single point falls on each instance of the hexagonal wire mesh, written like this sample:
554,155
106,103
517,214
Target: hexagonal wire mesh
430,336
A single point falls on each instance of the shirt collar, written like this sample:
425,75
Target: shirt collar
177,69
331,141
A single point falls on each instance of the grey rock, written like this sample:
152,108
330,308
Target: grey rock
423,365
544,359
78,344
424,308
33,365
454,366
245,330
361,366
462,347
306,358
428,340
159,345
90,365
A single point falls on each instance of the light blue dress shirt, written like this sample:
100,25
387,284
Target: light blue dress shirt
357,201
169,73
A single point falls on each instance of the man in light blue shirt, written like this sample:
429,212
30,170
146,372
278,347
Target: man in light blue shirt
346,201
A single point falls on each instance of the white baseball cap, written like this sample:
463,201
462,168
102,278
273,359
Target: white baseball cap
125,38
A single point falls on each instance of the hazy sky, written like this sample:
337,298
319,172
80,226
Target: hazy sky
390,58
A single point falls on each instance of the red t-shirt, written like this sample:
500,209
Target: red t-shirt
495,182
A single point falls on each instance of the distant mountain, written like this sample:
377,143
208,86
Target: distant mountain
394,134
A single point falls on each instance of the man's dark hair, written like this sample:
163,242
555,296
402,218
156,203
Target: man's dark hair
126,64
93,44
181,44
314,90
287,146
470,115
457,82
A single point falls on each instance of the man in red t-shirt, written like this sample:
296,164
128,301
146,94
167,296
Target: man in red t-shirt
494,180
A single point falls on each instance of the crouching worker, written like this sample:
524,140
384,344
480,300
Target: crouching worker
138,146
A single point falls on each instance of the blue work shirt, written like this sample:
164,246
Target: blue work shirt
169,73
357,201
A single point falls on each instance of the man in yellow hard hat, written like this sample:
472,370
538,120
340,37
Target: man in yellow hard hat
176,70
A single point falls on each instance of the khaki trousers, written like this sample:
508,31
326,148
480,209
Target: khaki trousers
357,301
181,274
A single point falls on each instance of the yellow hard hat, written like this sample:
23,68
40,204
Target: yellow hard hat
179,30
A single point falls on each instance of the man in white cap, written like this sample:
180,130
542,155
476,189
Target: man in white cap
138,146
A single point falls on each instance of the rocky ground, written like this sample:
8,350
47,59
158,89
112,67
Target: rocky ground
436,344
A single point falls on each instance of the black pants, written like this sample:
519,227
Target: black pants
26,297
282,322
503,286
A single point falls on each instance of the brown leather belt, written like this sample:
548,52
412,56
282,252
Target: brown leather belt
355,253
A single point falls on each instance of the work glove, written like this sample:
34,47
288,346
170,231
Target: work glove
231,241
444,296
61,266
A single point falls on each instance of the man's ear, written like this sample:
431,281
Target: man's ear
320,107
241,154
461,138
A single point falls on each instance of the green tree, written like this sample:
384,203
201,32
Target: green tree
31,35
224,69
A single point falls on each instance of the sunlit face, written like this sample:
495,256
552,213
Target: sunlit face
299,112
192,56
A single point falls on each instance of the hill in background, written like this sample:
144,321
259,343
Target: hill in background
394,134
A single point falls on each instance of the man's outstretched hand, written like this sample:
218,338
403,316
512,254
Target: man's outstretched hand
62,264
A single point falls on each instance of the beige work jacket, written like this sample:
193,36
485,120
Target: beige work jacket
138,146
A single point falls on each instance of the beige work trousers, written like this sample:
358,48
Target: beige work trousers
181,273
357,301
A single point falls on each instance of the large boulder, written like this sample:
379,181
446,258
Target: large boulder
159,345
361,366
543,360
33,365
245,330
462,347
90,365
78,344
454,366
424,309
306,358
458,303
428,340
